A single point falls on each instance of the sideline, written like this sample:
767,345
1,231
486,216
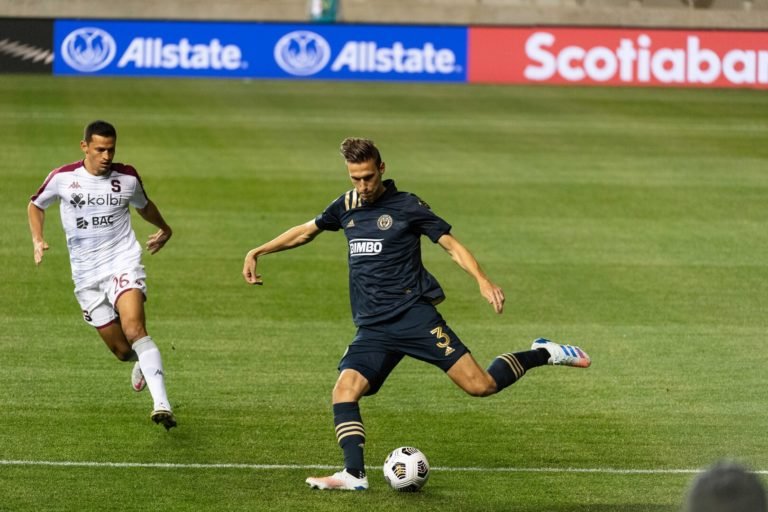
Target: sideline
171,465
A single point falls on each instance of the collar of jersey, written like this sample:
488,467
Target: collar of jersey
390,188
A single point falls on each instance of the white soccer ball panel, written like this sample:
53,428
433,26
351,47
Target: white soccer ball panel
406,469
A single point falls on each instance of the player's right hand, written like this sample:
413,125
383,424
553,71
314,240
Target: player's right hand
40,247
494,294
249,270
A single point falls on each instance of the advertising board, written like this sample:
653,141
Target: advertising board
260,50
26,46
639,57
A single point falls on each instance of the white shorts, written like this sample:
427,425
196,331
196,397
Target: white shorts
98,300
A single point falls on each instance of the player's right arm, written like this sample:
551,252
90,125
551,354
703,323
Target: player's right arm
36,220
294,237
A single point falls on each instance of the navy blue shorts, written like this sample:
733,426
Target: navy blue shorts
420,332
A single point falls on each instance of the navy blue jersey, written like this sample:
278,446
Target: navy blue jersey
386,274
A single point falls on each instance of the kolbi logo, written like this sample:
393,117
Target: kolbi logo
77,200
101,200
88,49
302,53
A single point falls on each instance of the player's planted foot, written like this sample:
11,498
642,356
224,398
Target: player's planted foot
164,417
565,355
138,383
341,481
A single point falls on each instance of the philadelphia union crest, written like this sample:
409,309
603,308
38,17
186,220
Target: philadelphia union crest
384,222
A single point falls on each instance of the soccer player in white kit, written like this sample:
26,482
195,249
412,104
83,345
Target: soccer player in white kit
94,195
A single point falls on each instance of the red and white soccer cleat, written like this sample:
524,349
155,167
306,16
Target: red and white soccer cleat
138,383
341,481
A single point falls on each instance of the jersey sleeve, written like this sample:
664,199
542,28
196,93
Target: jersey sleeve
138,198
330,219
424,221
47,194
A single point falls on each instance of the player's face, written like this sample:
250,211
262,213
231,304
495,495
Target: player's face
99,153
367,179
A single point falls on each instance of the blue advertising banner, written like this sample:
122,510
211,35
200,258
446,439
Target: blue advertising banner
260,50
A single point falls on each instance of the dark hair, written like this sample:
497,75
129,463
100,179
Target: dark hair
726,487
356,150
101,128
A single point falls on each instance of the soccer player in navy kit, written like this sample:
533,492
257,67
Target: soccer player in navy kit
393,300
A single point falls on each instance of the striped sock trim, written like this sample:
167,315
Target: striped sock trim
514,364
350,428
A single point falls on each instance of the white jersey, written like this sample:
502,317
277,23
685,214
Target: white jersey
96,218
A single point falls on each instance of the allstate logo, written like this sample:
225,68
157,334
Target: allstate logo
88,49
302,53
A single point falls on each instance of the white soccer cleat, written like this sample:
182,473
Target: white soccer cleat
138,383
341,481
565,355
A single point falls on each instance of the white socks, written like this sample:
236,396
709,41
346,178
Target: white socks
152,367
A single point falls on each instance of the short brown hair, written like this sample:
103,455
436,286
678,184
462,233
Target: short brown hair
356,150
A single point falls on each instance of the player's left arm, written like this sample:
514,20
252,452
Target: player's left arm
461,255
157,240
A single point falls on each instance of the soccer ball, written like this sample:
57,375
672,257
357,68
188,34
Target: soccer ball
406,469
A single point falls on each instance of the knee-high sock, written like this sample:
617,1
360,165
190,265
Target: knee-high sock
152,367
350,435
508,368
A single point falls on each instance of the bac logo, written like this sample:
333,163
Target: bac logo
302,53
88,49
101,221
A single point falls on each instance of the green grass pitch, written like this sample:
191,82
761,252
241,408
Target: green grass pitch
629,221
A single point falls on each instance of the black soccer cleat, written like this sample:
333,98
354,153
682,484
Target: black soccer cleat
164,417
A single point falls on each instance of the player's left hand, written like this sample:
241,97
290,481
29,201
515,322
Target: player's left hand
157,240
493,294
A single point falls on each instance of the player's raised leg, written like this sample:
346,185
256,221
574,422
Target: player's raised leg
508,368
503,371
130,306
470,377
